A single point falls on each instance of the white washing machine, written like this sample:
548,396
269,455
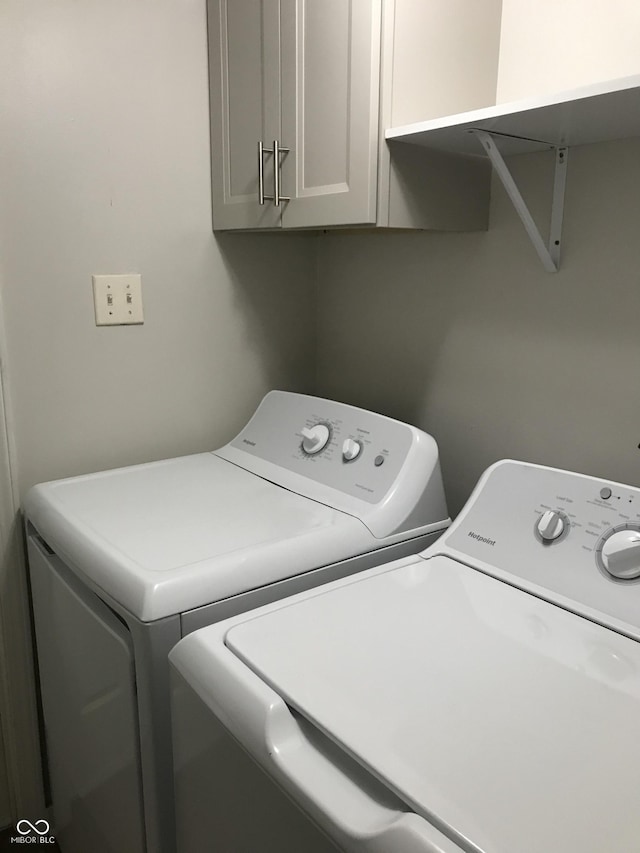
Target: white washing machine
124,563
483,696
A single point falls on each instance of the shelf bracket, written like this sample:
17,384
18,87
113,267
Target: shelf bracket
548,254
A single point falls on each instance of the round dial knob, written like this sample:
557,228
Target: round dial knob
315,438
621,554
351,449
551,525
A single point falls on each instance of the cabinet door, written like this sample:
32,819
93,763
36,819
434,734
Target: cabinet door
330,76
244,70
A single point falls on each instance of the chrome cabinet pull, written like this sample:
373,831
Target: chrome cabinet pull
277,166
261,152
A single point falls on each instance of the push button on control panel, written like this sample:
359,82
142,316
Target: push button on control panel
605,493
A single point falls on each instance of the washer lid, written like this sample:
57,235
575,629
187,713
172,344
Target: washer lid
507,722
170,536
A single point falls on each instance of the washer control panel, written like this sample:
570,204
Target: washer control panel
575,536
358,452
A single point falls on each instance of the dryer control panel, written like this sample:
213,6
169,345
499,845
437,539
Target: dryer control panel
382,471
358,452
575,537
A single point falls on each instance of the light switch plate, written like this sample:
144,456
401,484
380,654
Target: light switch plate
117,300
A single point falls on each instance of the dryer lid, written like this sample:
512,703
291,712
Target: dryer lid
507,722
170,536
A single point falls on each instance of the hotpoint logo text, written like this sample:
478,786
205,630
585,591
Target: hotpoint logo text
482,539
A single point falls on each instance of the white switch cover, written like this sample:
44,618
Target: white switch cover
117,300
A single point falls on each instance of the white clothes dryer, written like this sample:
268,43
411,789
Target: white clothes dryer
483,696
126,562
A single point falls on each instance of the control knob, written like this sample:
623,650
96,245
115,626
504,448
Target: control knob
621,554
315,438
550,525
351,449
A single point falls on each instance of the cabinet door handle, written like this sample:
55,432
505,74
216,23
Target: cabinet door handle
277,166
261,152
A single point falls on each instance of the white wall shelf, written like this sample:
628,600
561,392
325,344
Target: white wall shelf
595,113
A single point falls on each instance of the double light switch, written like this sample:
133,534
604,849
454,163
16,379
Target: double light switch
117,300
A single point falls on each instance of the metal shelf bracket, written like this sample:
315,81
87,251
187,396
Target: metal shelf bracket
549,253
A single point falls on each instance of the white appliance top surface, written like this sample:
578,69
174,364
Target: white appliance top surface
183,511
166,537
510,723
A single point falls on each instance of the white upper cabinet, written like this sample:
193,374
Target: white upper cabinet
316,82
330,93
244,70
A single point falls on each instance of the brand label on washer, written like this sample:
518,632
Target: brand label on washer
483,539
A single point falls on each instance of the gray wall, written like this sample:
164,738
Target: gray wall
467,337
104,168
